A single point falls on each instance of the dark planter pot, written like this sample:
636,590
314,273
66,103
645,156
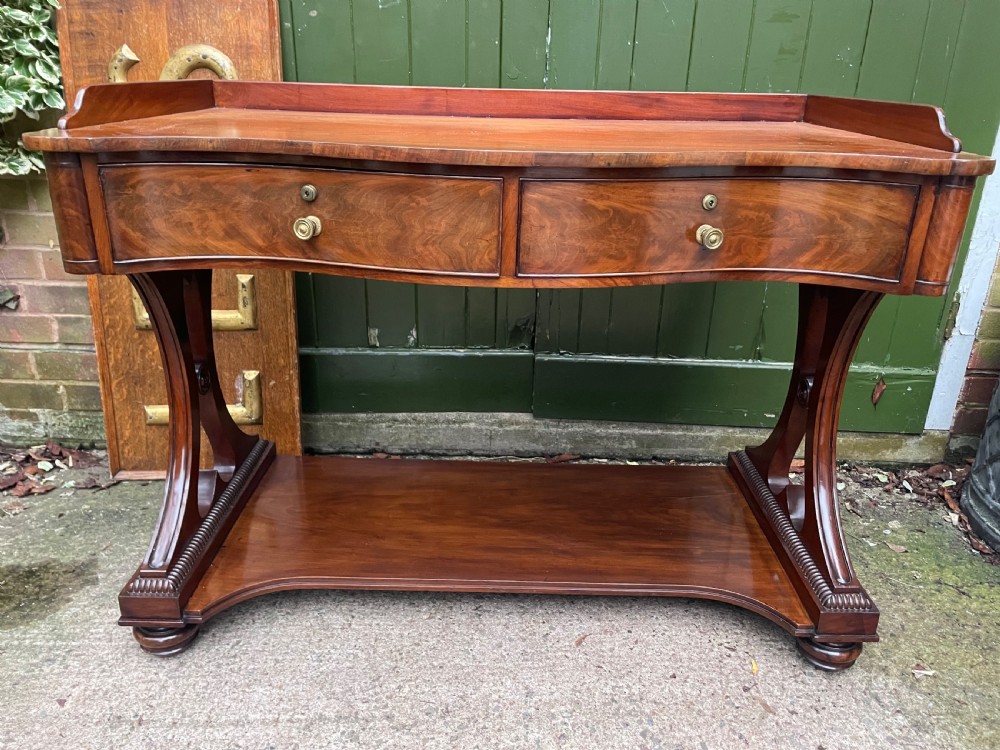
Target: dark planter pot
981,497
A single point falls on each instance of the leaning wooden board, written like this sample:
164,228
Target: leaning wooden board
850,199
90,34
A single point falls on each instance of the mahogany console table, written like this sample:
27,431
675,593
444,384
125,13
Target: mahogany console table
163,182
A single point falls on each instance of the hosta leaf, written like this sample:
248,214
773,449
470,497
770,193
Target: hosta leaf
24,47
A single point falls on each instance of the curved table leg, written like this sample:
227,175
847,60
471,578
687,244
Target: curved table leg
803,521
199,507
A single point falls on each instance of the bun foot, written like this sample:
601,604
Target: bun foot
831,657
165,641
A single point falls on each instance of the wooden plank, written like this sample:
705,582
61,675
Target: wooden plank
483,26
778,323
438,42
289,58
392,314
736,321
616,42
685,317
381,41
441,319
480,317
361,380
305,309
341,314
524,44
892,52
662,45
938,51
834,48
777,45
515,319
595,316
573,48
719,48
634,321
323,39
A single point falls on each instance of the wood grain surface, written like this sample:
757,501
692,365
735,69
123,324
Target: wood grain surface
631,228
323,522
369,220
515,142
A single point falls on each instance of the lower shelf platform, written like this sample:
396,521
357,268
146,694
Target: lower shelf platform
349,523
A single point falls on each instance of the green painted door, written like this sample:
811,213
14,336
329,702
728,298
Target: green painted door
695,353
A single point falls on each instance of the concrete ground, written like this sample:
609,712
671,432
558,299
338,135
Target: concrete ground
388,670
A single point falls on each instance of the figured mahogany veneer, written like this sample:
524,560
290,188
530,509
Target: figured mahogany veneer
412,525
627,228
394,222
854,200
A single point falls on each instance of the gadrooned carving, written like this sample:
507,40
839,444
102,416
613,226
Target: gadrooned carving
782,524
173,582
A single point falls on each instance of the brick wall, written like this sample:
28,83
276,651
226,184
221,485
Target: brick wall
982,375
48,371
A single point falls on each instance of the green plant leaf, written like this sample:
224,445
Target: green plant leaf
53,100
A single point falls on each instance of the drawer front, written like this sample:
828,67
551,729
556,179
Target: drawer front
396,222
615,228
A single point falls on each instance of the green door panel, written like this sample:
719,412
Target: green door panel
935,51
365,380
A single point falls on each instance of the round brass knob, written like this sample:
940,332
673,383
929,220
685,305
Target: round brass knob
709,237
307,227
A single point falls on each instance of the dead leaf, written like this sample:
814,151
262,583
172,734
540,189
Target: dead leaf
61,702
950,501
9,481
896,547
937,471
877,391
920,670
41,489
979,546
561,458
13,507
754,669
764,704
581,639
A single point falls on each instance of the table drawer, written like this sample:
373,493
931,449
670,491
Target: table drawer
414,223
615,228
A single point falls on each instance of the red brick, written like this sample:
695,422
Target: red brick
38,192
969,421
22,394
52,266
978,389
13,194
20,263
25,328
985,356
26,228
66,364
65,298
83,396
75,329
15,364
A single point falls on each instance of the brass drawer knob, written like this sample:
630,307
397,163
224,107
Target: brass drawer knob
709,237
307,227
